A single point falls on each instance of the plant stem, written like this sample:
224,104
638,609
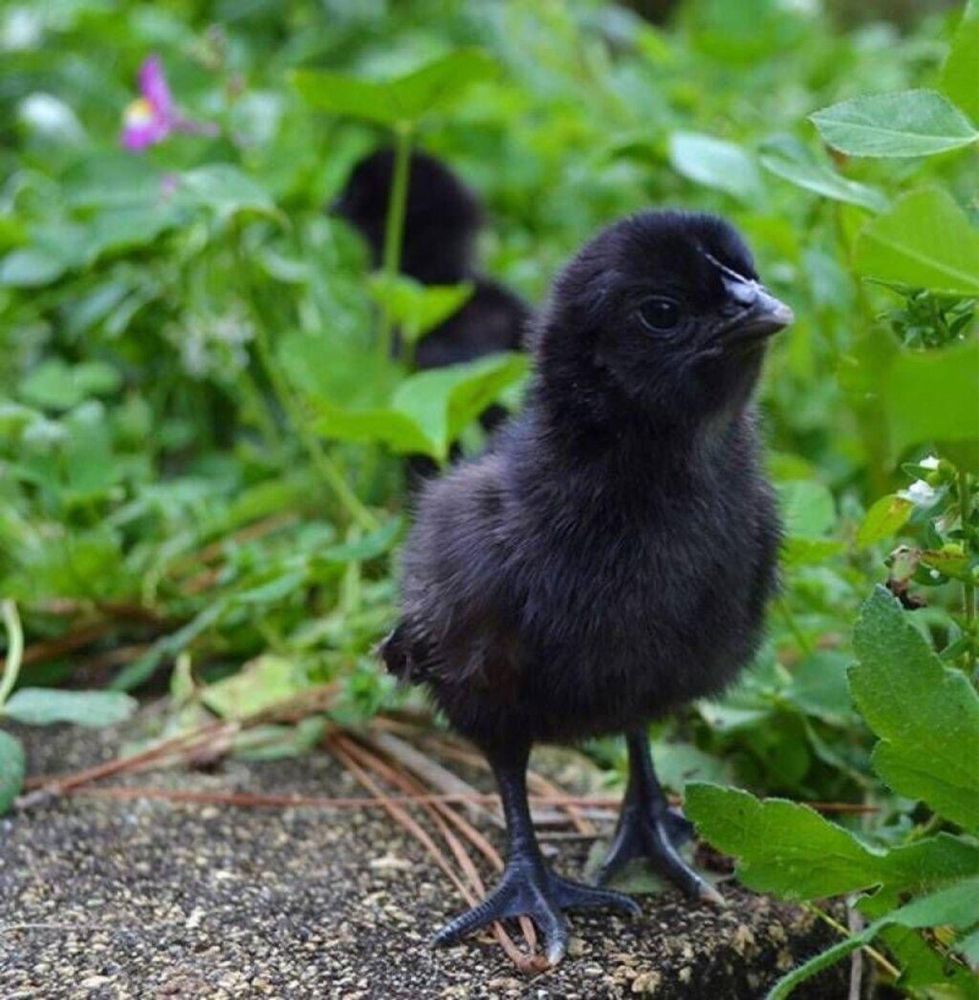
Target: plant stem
394,226
793,626
326,468
968,587
260,410
880,959
15,649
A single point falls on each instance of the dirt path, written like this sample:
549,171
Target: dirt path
105,900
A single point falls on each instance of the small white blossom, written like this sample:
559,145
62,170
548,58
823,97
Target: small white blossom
930,463
920,493
22,28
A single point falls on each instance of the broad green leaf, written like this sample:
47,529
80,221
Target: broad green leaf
335,372
954,906
819,687
796,163
741,34
924,241
114,180
13,765
442,401
884,519
807,507
54,248
924,864
224,190
113,230
398,431
401,100
31,267
782,846
59,386
960,75
908,123
429,409
925,714
86,564
715,163
259,684
416,308
44,706
930,396
678,763
789,849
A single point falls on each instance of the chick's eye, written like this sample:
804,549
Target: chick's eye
659,313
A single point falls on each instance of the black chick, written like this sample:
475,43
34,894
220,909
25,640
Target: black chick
442,222
611,558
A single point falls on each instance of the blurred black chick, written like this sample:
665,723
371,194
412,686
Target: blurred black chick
611,558
442,222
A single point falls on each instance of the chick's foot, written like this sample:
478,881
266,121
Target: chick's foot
656,833
529,888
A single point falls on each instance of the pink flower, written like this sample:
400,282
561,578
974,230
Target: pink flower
153,115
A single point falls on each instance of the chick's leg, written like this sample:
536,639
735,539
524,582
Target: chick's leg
528,887
649,828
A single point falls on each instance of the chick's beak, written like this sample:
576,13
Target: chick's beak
754,313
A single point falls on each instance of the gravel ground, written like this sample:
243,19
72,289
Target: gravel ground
105,900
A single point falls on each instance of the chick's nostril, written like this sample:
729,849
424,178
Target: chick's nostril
742,293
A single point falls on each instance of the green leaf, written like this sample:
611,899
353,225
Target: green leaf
416,308
968,948
401,100
908,123
930,396
225,190
884,519
442,401
954,906
261,683
59,386
715,163
924,241
13,765
44,706
795,163
169,646
960,75
113,230
31,267
369,547
789,849
678,763
782,846
926,863
926,714
819,687
807,507
113,180
399,432
335,371
278,742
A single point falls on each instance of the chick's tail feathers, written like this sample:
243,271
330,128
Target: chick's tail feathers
403,655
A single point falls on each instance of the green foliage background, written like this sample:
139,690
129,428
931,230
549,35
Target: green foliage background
201,423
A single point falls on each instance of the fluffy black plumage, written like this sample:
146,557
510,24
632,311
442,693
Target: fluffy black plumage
610,559
442,222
